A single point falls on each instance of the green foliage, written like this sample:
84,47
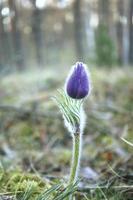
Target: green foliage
70,108
22,185
105,49
47,194
31,185
26,186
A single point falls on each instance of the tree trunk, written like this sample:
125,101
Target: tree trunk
120,32
131,32
37,33
104,11
123,32
16,37
4,46
78,30
2,40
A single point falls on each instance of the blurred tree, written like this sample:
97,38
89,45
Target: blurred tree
125,38
122,31
5,47
131,32
104,11
105,51
105,48
2,41
37,33
16,36
78,29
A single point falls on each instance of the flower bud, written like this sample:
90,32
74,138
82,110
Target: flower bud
78,83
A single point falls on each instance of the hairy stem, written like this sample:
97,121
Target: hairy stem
77,137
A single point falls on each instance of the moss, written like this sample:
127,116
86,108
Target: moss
64,155
17,183
25,136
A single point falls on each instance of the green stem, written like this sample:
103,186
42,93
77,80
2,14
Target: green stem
77,137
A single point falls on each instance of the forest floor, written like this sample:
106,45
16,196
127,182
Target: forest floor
35,147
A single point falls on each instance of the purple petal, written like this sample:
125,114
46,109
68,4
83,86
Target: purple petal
77,86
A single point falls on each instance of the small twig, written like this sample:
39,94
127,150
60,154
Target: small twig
127,142
87,189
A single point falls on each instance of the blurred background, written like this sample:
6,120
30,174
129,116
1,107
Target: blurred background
47,33
39,42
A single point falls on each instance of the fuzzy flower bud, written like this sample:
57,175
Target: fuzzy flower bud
78,83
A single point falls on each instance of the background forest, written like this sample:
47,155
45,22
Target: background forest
39,42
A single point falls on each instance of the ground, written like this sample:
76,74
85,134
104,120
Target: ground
35,147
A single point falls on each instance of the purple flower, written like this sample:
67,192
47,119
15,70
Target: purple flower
78,83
